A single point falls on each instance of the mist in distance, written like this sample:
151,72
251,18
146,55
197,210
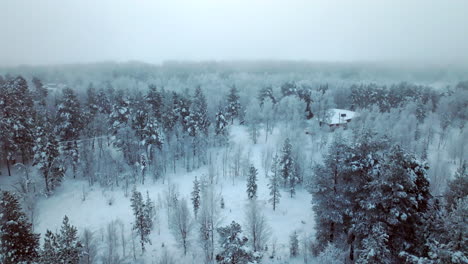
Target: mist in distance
401,32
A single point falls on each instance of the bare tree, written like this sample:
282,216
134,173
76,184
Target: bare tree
89,247
181,224
256,226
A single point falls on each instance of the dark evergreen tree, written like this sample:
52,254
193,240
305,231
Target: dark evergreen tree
196,196
221,129
234,248
103,102
327,188
46,156
18,244
233,105
274,184
457,188
63,247
70,122
154,99
287,168
40,92
143,223
252,183
293,245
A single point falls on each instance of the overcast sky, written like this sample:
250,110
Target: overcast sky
69,31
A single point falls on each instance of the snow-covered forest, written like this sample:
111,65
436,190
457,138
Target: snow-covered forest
233,163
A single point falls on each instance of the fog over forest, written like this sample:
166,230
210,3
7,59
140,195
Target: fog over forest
233,132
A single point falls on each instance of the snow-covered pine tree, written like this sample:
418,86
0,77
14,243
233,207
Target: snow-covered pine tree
46,156
154,99
287,168
103,102
274,184
234,248
326,187
196,196
221,129
252,183
40,92
69,120
293,245
18,244
457,188
233,107
63,247
50,249
120,113
70,246
150,211
142,223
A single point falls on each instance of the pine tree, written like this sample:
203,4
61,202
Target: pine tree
293,245
252,183
40,92
457,188
233,244
154,99
46,156
63,247
197,121
18,243
70,122
287,167
150,211
142,223
221,129
233,105
274,184
196,196
327,188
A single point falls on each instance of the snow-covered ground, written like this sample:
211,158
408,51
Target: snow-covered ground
89,207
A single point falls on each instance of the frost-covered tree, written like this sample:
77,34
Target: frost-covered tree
287,168
252,183
293,245
46,157
18,243
257,226
89,253
69,123
16,120
196,196
457,188
233,107
221,128
143,223
274,184
327,188
63,247
154,99
181,224
234,248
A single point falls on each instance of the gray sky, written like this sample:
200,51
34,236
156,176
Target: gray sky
69,31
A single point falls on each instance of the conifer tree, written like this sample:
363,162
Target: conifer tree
233,105
196,196
70,122
46,156
142,223
18,244
233,244
293,245
287,167
274,184
154,99
252,183
63,247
